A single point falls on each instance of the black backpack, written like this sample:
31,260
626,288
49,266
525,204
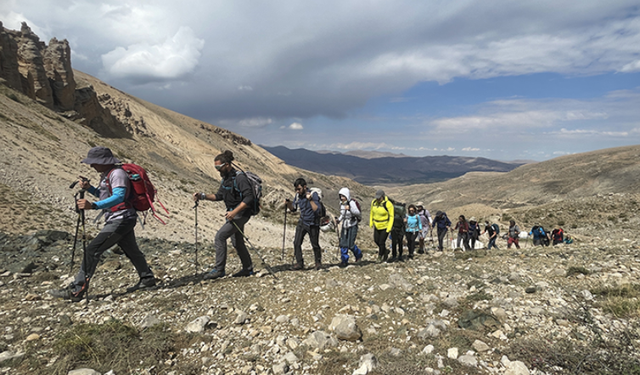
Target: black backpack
496,228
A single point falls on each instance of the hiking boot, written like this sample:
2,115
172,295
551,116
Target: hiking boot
380,258
343,264
420,251
359,259
410,256
214,274
298,267
243,273
143,283
318,266
68,293
392,259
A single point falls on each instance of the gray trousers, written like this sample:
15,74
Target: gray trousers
226,231
116,232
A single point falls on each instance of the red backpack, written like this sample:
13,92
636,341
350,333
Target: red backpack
142,194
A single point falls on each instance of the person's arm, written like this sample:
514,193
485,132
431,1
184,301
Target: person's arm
391,216
371,216
313,201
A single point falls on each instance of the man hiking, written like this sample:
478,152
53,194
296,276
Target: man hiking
309,222
237,194
120,218
493,234
442,222
514,235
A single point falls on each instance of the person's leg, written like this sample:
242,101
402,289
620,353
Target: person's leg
465,241
516,242
241,247
442,233
129,246
509,242
111,234
301,230
314,236
400,243
411,242
395,239
421,237
220,242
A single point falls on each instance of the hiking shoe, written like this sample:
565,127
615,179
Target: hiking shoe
379,258
298,267
410,256
359,259
143,283
318,266
68,293
343,264
421,251
214,274
392,259
243,273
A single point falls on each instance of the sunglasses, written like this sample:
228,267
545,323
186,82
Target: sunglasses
218,167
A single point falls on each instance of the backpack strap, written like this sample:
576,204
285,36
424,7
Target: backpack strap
127,196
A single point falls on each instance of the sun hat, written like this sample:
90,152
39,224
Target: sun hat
419,204
100,155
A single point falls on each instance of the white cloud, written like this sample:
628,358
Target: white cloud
253,122
295,126
470,149
173,58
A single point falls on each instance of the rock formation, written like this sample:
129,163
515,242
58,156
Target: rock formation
9,73
57,64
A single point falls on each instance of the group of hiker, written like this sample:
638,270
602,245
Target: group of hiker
240,196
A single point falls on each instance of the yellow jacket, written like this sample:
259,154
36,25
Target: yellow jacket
380,216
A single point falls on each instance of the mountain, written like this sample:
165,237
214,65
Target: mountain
378,169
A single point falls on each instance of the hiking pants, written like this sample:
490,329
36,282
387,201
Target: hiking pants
472,240
492,242
220,242
348,242
411,241
442,233
115,232
464,239
514,241
397,235
314,235
380,238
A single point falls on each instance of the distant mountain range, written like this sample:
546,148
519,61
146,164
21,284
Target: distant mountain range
383,168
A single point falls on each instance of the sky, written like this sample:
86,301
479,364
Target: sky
506,80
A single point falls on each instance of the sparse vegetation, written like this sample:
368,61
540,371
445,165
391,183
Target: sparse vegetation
571,271
621,301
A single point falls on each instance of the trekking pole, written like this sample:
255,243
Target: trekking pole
195,207
255,250
284,232
84,248
75,237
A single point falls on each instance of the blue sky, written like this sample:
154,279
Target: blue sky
499,79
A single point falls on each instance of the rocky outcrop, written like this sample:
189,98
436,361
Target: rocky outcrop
31,67
44,73
57,65
9,73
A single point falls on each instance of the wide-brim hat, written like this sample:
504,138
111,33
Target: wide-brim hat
420,204
379,194
472,219
100,155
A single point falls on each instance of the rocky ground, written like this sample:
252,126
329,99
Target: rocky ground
561,310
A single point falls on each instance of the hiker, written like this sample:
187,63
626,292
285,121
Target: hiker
442,222
557,235
474,232
463,232
492,230
309,222
425,218
514,235
237,194
397,231
350,216
381,220
120,219
539,235
413,225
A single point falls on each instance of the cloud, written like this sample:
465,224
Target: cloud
172,59
254,122
294,126
470,149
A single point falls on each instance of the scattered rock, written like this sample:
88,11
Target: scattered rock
197,325
345,328
84,371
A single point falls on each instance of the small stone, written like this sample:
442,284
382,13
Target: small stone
197,325
452,353
241,318
516,368
428,349
480,346
468,360
83,371
32,297
33,337
280,368
530,289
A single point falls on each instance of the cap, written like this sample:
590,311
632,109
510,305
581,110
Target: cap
379,194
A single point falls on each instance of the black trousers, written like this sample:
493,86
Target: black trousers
314,235
380,238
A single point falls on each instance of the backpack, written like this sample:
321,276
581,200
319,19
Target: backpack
256,186
496,228
142,193
359,216
323,210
